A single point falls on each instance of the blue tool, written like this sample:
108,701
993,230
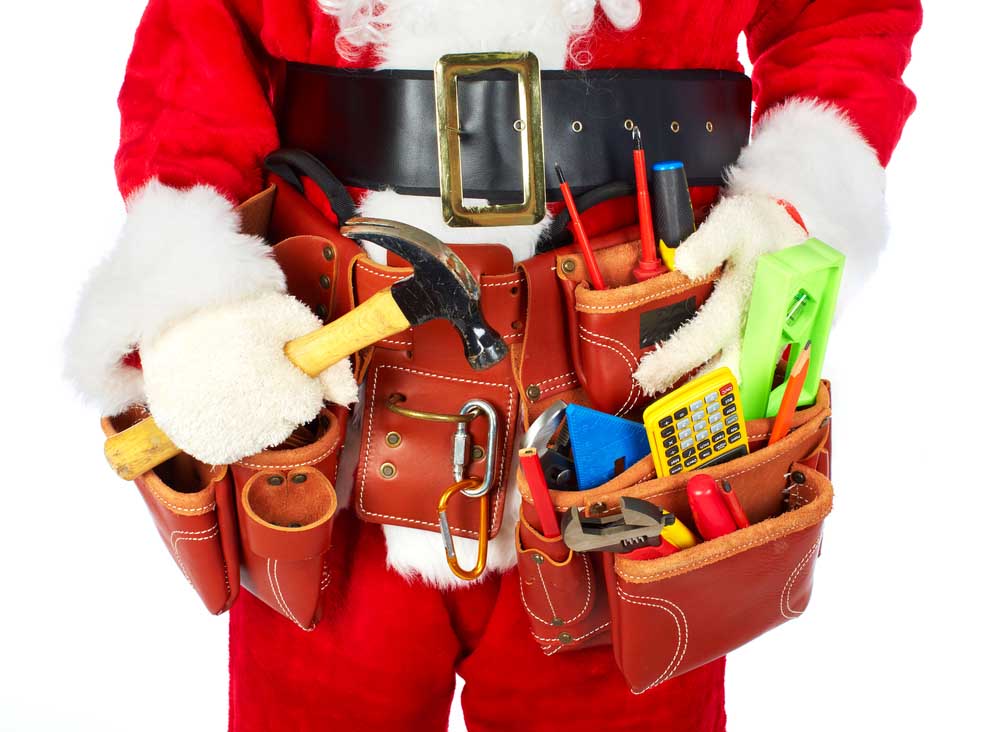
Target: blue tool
603,445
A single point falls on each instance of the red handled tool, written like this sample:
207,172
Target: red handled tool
710,511
650,263
733,504
579,234
533,473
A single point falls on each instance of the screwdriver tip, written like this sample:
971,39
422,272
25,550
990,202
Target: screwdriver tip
559,174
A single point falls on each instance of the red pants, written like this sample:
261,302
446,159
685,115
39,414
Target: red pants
385,656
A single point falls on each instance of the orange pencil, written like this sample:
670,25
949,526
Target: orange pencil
793,389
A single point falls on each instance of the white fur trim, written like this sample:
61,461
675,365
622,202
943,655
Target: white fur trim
810,154
424,212
179,251
219,384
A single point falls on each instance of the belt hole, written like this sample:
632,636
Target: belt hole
709,126
577,126
520,125
629,124
675,126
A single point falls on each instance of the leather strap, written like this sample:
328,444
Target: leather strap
377,128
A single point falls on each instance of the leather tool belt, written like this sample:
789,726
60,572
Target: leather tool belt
389,138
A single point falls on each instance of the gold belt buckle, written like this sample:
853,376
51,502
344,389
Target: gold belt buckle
447,72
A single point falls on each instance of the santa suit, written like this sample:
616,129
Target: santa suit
196,109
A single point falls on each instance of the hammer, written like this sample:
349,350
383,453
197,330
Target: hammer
441,286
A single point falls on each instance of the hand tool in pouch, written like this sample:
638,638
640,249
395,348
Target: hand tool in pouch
673,214
650,264
531,466
603,445
639,524
580,234
550,439
441,286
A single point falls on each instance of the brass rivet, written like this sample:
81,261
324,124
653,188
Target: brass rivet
393,439
565,637
533,392
675,126
517,325
299,478
568,265
478,453
328,253
324,281
388,470
709,126
557,622
577,126
321,311
520,125
537,558
275,480
629,124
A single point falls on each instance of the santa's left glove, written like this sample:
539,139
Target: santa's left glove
203,308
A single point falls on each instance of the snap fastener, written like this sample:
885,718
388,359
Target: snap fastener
537,558
299,478
565,638
557,622
533,392
328,253
324,282
629,124
478,453
321,311
568,265
709,126
799,477
577,126
520,125
275,480
393,439
388,470
675,126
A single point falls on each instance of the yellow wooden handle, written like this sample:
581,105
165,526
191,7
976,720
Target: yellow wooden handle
144,445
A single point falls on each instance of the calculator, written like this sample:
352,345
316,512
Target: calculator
697,425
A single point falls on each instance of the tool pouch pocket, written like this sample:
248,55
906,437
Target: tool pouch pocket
669,615
286,503
611,329
192,507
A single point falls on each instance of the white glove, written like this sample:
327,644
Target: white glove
806,153
205,306
737,232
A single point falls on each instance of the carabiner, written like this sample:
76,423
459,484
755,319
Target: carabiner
461,442
449,544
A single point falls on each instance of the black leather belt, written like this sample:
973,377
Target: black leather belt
376,129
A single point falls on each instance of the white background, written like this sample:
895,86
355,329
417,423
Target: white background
99,631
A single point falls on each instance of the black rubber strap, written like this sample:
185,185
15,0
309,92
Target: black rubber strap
377,129
292,165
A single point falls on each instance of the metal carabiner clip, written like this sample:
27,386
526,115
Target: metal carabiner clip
484,530
461,445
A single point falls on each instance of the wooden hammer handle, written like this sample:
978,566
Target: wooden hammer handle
144,445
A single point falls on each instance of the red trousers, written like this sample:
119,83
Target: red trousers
385,656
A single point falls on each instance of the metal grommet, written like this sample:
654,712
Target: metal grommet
324,281
577,126
568,265
709,126
328,253
537,558
321,311
675,126
798,477
393,439
299,478
565,638
629,124
477,453
533,392
557,622
275,480
387,470
520,125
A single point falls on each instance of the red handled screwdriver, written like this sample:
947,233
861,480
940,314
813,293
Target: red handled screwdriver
579,234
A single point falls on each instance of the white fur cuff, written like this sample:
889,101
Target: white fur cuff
179,252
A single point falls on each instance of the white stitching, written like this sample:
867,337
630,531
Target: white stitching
545,589
632,395
307,463
682,633
690,285
786,592
279,596
560,646
211,532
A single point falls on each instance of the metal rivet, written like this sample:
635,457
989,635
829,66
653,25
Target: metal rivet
568,265
393,439
388,470
299,478
321,311
577,126
295,525
275,480
629,124
520,125
565,637
598,508
328,253
517,325
557,622
798,477
709,126
324,281
478,453
533,392
537,558
675,126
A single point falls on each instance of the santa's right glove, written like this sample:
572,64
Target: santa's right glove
204,307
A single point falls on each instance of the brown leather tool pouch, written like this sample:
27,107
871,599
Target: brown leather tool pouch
406,462
669,615
286,501
192,507
610,330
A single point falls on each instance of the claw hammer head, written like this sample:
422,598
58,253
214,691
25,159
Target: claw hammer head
441,286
